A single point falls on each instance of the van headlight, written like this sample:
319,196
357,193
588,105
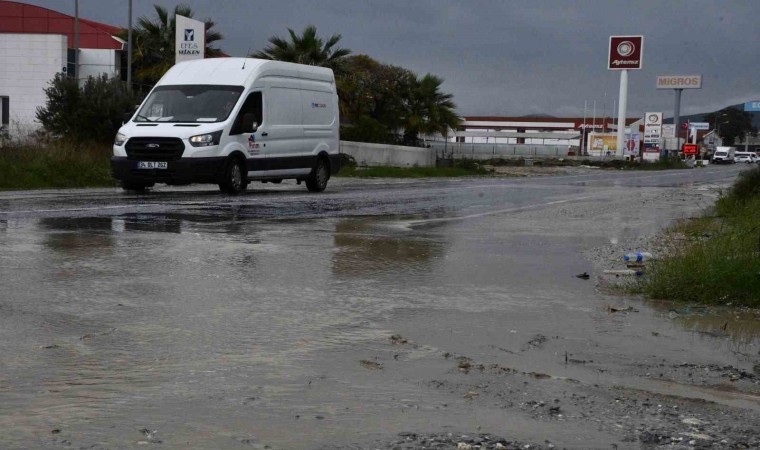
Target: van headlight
206,140
120,139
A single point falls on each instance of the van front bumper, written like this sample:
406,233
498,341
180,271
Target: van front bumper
181,171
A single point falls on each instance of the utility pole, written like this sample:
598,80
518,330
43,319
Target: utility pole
677,118
129,50
76,41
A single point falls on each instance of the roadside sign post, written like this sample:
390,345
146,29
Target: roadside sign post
652,136
624,53
678,83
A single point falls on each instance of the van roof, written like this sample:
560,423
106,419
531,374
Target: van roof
239,71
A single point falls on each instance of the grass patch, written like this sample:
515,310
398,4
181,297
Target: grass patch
716,259
459,169
58,165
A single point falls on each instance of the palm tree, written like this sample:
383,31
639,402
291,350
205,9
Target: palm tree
154,39
305,49
429,110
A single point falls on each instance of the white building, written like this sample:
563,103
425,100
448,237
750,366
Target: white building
37,43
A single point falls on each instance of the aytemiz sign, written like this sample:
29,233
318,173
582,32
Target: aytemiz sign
625,52
679,82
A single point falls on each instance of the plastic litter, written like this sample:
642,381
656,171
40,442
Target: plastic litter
637,257
625,272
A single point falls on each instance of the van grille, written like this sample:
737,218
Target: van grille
154,148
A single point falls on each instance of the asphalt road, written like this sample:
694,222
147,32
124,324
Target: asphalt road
184,318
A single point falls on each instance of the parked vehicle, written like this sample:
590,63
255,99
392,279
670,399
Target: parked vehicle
724,155
746,157
230,121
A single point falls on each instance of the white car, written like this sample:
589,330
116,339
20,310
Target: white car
746,157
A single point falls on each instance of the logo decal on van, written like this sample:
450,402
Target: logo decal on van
253,147
318,105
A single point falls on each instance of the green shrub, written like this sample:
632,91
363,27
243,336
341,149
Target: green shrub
367,129
746,187
93,112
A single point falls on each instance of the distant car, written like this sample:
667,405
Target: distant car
746,157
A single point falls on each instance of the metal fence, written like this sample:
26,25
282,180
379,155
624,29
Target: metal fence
461,150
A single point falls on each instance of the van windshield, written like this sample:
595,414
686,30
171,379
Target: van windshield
189,103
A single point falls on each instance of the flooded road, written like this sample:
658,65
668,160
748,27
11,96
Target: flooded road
184,318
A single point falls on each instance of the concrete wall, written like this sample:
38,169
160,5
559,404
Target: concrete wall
506,151
28,62
376,155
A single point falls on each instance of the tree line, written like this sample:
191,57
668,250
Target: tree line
379,102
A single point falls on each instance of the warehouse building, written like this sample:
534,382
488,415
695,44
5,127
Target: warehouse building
37,43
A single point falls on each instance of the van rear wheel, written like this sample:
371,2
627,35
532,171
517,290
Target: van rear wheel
317,180
235,178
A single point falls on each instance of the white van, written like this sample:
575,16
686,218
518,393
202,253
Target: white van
229,121
724,155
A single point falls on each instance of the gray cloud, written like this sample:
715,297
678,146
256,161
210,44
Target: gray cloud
510,57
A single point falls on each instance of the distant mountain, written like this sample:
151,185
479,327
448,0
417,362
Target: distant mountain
700,117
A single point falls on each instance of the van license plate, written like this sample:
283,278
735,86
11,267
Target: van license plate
152,165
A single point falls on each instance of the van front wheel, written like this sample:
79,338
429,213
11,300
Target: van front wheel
235,178
136,187
317,180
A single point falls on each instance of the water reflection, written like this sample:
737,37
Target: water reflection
83,236
365,249
742,326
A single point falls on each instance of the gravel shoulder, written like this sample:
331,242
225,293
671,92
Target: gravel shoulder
645,399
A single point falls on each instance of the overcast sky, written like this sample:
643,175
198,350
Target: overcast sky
512,57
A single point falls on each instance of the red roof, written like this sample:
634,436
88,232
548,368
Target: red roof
18,17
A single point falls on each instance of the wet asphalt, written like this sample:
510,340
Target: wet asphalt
185,318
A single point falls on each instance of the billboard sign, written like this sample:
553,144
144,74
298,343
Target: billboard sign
632,142
699,125
652,129
190,39
600,144
690,149
651,152
679,82
668,130
752,106
625,52
605,144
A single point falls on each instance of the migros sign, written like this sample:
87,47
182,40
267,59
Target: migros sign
679,82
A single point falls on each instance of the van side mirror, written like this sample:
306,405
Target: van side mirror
249,123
